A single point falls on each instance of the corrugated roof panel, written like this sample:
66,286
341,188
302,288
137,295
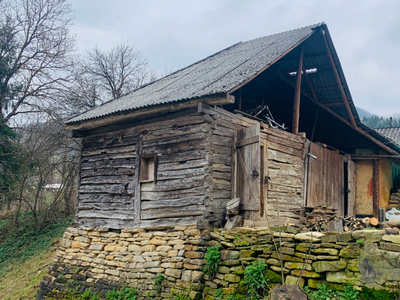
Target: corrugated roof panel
393,133
219,73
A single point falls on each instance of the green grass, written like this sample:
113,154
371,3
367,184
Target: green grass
24,243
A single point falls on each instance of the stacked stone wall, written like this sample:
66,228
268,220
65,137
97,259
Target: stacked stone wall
103,260
362,258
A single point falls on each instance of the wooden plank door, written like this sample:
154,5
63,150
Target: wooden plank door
351,188
249,171
325,183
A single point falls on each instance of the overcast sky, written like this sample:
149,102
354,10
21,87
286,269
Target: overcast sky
175,33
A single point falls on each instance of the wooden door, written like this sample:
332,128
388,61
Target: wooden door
249,171
325,184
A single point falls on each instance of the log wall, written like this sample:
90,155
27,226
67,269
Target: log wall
111,193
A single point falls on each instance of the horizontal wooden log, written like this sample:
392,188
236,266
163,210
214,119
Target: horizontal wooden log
286,143
222,141
221,185
174,132
279,133
220,175
170,203
222,159
182,165
175,184
106,206
175,140
114,163
221,194
172,212
281,157
176,174
106,198
182,157
110,142
102,157
221,168
105,188
174,194
285,149
168,223
104,222
168,149
130,148
227,151
107,179
112,214
108,171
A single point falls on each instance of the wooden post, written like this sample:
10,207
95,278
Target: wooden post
339,83
297,93
375,179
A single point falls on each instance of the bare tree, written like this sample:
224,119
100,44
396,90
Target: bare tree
118,71
34,49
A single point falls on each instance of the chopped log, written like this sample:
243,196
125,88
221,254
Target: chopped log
374,221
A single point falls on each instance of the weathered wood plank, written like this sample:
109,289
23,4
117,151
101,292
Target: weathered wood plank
196,200
221,168
182,157
217,149
174,132
174,194
115,163
101,157
175,184
176,174
107,179
109,223
181,165
168,149
221,185
112,214
172,212
90,143
222,159
175,140
107,171
285,149
130,148
220,175
105,188
106,198
223,141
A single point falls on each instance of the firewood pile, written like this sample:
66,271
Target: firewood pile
394,200
323,218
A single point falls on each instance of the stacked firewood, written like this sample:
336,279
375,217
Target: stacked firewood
323,218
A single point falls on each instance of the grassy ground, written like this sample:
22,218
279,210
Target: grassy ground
25,253
21,280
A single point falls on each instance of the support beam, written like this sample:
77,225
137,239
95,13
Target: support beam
297,94
375,179
339,83
336,115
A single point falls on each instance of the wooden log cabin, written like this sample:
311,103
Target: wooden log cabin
270,121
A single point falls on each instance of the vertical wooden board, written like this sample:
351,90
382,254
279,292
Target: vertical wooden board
136,203
364,187
248,165
385,182
325,179
351,186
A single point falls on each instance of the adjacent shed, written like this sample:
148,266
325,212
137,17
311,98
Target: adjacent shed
270,121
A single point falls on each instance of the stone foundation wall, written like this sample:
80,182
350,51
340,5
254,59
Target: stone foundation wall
363,258
103,260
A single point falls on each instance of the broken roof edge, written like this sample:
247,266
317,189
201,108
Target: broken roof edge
380,138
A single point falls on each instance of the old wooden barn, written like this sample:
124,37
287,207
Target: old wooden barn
270,121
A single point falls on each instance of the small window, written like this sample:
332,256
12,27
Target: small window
148,168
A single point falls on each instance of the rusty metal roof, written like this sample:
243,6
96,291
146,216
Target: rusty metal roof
391,133
215,75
